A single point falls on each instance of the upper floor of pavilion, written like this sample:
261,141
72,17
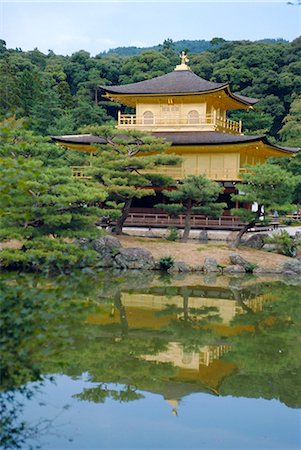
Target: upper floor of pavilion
178,101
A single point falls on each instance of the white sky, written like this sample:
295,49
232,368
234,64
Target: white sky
67,26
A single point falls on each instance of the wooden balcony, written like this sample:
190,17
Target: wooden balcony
208,122
80,172
176,172
157,220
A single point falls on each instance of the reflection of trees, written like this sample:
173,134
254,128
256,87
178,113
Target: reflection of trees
190,325
268,356
100,393
33,327
44,332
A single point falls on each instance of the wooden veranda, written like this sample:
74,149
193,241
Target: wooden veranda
161,220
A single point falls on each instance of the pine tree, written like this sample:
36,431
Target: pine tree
291,131
125,165
267,185
195,195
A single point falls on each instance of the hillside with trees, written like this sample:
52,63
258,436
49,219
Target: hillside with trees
58,94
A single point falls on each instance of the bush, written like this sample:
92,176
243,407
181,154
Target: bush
47,255
287,222
173,234
166,262
249,267
284,243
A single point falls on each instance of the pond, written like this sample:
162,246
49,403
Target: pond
146,360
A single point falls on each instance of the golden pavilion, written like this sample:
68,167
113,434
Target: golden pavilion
191,114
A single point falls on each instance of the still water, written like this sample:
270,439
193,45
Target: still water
146,361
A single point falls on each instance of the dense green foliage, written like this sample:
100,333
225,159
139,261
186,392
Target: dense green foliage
59,94
270,187
194,195
40,203
195,46
285,244
124,164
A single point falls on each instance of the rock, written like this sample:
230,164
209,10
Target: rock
234,269
134,258
197,268
203,236
210,265
238,260
107,245
270,248
105,261
82,242
264,270
256,241
294,265
210,278
289,273
179,266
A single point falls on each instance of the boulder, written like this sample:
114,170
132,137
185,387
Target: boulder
107,246
264,270
82,242
294,266
234,269
210,265
203,236
238,260
179,266
134,258
270,248
256,241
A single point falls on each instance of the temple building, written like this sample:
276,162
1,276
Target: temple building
191,114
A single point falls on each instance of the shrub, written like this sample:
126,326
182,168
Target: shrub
173,234
166,262
48,255
249,267
287,221
284,243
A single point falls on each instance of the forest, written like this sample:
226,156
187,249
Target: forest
58,94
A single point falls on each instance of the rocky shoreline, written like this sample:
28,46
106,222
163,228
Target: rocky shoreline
114,255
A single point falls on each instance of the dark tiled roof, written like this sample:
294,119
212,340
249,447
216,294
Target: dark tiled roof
79,139
175,82
249,100
204,137
181,138
178,81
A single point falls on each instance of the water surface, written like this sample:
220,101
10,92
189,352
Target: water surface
135,360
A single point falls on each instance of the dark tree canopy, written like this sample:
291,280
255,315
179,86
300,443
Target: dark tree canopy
59,94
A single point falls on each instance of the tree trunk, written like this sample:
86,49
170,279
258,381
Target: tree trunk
187,222
251,224
96,95
237,240
122,315
124,214
185,307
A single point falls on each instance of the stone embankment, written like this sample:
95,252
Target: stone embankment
120,254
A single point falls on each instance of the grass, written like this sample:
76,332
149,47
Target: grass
207,246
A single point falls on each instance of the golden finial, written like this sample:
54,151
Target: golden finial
184,58
184,61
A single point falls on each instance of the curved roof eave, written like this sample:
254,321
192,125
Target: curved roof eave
291,150
183,138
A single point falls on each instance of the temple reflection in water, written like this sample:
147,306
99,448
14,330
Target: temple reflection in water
168,312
